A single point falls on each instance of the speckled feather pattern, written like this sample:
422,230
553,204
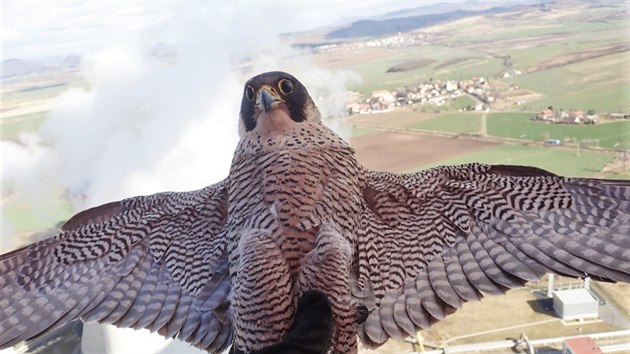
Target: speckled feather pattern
289,188
395,253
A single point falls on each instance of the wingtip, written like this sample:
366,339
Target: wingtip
93,215
520,171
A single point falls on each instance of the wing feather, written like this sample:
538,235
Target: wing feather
441,285
504,260
155,304
155,262
374,328
401,316
417,313
473,271
461,285
430,241
167,311
488,265
430,301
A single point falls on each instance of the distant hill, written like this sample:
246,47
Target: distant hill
443,7
16,67
376,28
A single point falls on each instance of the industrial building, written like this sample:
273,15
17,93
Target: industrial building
575,304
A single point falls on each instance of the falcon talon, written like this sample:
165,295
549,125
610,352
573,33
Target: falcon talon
398,252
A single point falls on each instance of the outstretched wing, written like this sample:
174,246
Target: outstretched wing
432,240
154,262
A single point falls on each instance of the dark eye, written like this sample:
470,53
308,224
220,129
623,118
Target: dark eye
285,86
249,93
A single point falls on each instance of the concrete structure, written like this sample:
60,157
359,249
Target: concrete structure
575,304
106,339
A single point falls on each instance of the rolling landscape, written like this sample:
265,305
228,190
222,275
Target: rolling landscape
493,70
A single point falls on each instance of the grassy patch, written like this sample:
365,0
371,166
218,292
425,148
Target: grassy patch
581,42
375,76
361,131
601,84
24,123
625,175
460,122
409,65
398,119
525,316
555,159
515,32
462,102
30,216
41,92
520,126
483,67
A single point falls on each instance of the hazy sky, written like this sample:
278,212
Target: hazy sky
31,29
147,125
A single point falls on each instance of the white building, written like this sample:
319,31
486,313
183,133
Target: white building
575,304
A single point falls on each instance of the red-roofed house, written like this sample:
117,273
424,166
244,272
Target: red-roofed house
581,345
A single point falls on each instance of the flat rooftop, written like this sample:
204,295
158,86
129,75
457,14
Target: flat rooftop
574,296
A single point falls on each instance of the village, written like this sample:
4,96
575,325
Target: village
571,117
435,93
408,39
439,93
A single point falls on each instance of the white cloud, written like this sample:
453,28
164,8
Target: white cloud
148,125
61,28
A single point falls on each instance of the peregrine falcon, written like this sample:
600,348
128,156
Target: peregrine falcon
225,265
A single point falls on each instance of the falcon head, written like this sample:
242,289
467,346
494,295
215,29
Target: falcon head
273,102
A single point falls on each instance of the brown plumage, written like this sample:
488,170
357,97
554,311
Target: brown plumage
394,253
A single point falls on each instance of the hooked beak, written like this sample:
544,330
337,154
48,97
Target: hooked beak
267,99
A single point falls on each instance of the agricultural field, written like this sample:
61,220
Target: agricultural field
11,128
29,216
35,93
558,160
375,76
601,84
520,126
361,131
459,122
399,152
447,121
398,119
570,57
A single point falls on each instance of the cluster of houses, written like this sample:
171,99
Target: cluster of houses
571,117
436,93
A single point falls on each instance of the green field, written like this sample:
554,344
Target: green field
517,31
578,42
555,159
460,122
44,91
551,50
19,124
520,126
600,84
29,216
361,131
462,102
375,76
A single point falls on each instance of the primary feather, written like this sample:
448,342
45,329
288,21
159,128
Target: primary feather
225,265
